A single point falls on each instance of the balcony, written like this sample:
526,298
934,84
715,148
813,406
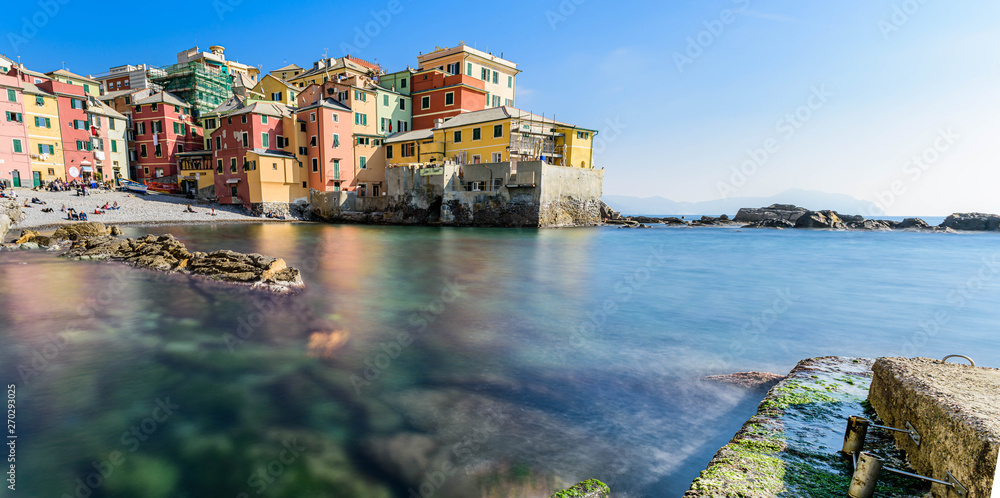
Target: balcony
333,175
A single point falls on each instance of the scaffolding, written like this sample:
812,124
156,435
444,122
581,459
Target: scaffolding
202,86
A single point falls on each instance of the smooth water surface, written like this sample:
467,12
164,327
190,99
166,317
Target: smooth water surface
454,362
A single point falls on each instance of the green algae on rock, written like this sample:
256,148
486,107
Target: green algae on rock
591,488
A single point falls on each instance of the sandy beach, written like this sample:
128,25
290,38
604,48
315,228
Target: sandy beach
134,209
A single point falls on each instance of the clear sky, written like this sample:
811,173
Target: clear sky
837,96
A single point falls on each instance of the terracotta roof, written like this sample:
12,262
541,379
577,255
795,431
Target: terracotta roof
165,97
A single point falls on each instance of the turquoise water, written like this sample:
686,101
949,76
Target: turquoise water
454,362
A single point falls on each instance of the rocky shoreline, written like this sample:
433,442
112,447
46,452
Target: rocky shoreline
94,241
782,216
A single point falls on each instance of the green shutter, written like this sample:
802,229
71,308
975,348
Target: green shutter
48,123
11,95
17,145
40,149
114,146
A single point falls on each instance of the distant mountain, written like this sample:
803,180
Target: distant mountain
809,199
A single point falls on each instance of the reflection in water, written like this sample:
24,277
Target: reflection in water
450,362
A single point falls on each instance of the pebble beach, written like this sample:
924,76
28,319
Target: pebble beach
134,209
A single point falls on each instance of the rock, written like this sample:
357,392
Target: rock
166,253
29,245
706,220
78,231
671,220
609,214
591,488
33,237
869,225
786,212
912,223
749,380
972,221
771,223
819,219
115,231
724,217
851,218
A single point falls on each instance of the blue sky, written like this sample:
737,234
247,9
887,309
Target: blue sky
833,96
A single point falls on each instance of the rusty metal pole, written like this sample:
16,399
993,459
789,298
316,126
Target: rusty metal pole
866,476
854,438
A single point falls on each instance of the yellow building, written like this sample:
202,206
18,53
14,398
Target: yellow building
273,89
494,135
287,72
277,177
195,170
90,86
41,114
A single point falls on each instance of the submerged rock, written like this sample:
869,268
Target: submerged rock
770,223
972,221
749,380
31,236
165,253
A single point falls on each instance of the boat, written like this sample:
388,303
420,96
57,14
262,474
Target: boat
132,186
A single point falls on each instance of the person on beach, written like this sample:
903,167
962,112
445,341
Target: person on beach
213,212
189,209
115,205
63,209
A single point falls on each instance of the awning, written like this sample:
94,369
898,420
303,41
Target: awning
88,169
233,180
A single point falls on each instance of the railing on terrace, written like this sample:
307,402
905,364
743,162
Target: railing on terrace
530,144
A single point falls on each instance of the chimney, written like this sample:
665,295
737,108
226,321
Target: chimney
438,122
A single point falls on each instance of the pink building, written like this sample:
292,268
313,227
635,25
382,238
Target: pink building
255,129
163,128
327,125
15,165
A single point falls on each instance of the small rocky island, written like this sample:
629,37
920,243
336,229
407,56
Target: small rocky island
94,241
791,216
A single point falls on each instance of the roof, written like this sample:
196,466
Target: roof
119,93
273,153
242,80
33,73
342,63
67,74
97,107
409,136
265,108
328,103
290,67
165,97
231,104
496,114
32,89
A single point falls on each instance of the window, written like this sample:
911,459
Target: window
303,151
11,95
233,191
302,127
180,147
336,140
477,133
407,150
336,169
487,99
232,165
497,131
97,121
279,141
496,101
145,171
156,126
142,152
497,157
158,150
274,165
315,164
263,119
336,118
388,152
52,171
425,102
152,107
312,116
359,95
385,100
39,101
218,143
276,96
449,98
362,189
458,137
114,146
265,140
111,123
210,123
402,104
17,146
363,162
496,77
468,68
229,120
510,82
360,119
453,68
486,75
583,134
15,116
246,139
218,166
312,141
140,128
46,149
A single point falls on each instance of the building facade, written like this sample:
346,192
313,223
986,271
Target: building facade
438,95
44,135
273,89
326,133
163,128
74,129
110,144
90,86
499,75
15,164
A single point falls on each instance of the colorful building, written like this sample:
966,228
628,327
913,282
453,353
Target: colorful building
273,89
286,73
392,111
439,95
399,82
90,86
196,173
326,133
495,135
128,77
111,146
211,122
122,102
44,135
15,165
252,163
163,128
330,69
499,75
